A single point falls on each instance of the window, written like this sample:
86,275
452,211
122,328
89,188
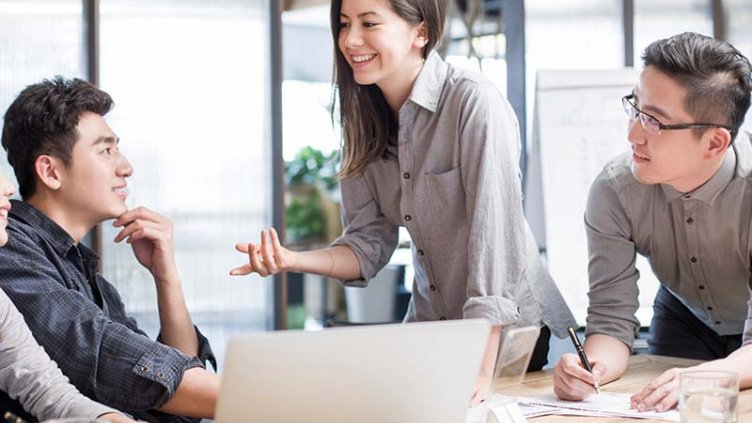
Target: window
38,39
651,21
188,80
586,34
580,34
738,15
488,56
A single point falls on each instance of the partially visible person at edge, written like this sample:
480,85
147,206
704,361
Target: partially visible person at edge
72,177
435,149
27,373
683,199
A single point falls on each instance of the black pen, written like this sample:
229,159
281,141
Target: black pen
12,418
583,357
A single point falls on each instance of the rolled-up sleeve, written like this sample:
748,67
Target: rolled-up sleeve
613,292
205,352
368,233
107,360
490,147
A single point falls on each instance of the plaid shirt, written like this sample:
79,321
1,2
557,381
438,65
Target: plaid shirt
79,319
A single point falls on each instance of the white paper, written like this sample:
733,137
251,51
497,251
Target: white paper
603,404
479,414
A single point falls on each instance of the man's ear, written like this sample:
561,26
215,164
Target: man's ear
48,171
421,38
719,141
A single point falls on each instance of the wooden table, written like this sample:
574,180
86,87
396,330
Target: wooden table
642,369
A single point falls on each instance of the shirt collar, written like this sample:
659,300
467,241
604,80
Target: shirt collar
708,191
430,82
58,238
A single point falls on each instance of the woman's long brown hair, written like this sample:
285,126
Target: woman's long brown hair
366,119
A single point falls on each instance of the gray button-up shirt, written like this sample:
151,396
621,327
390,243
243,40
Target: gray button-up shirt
699,245
452,180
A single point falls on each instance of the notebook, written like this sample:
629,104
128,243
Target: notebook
415,372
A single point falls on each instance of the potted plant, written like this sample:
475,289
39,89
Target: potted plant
311,179
312,221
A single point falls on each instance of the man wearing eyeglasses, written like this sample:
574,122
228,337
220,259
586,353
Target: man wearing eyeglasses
683,199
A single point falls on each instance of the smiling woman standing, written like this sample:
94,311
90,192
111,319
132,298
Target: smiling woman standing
434,149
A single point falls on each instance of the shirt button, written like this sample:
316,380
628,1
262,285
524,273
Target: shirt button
433,287
693,259
687,196
701,287
421,253
406,175
442,318
408,218
160,375
144,369
690,220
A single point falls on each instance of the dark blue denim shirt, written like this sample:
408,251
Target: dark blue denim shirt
79,319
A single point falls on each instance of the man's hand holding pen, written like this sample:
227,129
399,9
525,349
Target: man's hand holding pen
583,357
575,376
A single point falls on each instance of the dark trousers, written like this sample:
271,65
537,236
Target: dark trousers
540,353
676,332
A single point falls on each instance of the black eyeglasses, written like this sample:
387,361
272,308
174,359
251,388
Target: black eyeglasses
653,125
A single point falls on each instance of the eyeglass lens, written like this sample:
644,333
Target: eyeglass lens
648,122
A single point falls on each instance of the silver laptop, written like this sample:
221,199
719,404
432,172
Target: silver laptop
417,372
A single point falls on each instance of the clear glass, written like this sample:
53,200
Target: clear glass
649,123
188,81
708,396
654,20
38,39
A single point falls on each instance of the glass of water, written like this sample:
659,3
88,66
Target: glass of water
708,396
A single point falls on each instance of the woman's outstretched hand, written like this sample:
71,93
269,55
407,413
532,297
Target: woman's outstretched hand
267,258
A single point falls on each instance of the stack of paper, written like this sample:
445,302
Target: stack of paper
602,405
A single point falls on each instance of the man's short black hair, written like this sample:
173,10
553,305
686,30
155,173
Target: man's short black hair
718,78
42,121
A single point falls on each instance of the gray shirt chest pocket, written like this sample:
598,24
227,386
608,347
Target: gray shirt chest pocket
446,198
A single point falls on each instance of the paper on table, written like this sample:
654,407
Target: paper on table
605,404
479,414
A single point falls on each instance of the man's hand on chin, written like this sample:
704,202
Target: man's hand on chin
150,236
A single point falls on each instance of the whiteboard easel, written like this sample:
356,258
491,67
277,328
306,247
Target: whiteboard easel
579,125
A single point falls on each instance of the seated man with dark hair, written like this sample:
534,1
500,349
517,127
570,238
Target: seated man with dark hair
26,371
72,177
